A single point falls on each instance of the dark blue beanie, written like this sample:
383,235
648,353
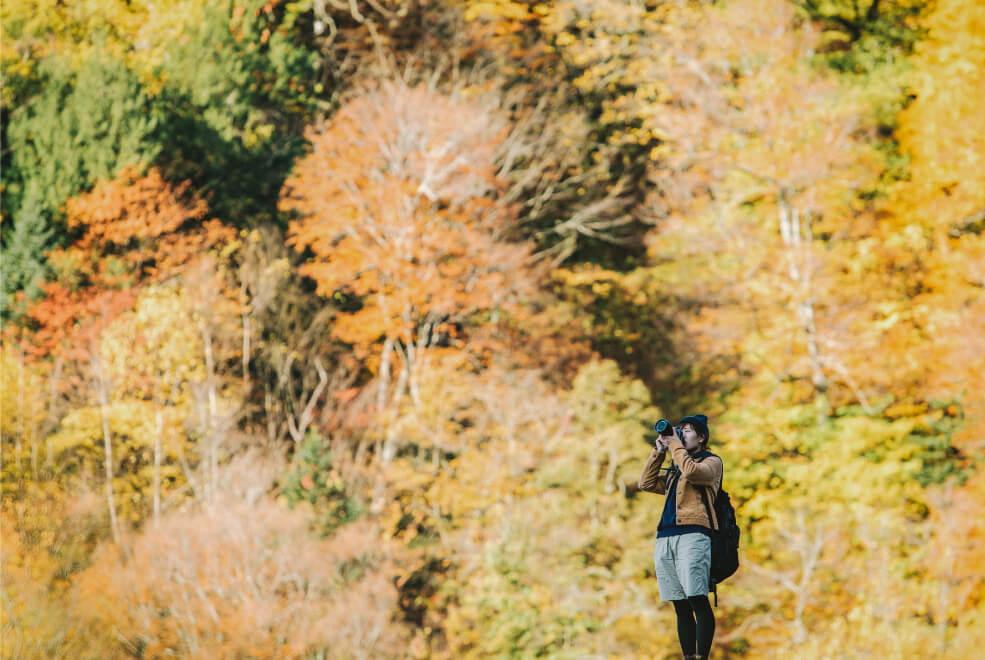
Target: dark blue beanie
699,422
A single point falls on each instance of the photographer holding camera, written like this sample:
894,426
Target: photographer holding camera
682,556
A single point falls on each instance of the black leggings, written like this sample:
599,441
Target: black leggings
695,625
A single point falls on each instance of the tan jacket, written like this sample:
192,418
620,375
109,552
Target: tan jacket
706,474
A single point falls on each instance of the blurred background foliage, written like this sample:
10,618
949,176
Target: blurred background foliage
336,329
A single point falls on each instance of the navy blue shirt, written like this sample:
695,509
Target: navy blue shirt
668,520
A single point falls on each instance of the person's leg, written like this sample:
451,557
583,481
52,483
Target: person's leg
685,627
665,568
704,623
695,562
669,584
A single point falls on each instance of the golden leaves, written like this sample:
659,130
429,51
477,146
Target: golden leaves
944,128
156,347
139,33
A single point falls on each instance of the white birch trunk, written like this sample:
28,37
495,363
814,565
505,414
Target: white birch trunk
107,444
381,394
158,441
796,235
52,397
212,436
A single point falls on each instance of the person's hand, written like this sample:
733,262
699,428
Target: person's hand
661,444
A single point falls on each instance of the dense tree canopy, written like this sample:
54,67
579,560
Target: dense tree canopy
337,328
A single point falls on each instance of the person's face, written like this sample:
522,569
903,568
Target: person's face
691,439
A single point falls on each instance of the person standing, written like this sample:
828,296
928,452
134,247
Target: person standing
682,553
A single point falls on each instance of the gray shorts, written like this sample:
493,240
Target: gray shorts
682,564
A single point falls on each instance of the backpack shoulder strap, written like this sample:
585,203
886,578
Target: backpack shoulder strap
711,580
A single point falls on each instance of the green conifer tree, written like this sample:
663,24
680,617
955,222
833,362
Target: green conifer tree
82,127
22,265
239,89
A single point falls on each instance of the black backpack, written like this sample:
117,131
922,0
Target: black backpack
724,540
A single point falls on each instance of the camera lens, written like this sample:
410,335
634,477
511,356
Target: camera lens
661,426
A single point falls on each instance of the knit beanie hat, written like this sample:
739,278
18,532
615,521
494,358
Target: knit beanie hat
699,422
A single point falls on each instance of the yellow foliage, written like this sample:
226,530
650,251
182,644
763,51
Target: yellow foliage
77,448
942,207
156,349
943,130
81,429
138,32
22,389
45,535
486,9
521,492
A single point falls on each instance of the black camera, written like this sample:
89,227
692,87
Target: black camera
664,427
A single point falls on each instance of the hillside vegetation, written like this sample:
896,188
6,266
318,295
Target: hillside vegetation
336,329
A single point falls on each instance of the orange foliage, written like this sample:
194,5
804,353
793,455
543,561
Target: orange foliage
159,225
67,322
244,579
46,533
134,229
130,208
396,207
939,214
956,554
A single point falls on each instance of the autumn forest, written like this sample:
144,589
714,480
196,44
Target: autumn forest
337,328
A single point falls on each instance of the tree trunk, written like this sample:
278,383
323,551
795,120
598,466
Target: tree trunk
212,434
246,340
19,433
796,234
298,427
107,444
51,417
157,462
389,449
384,374
381,394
